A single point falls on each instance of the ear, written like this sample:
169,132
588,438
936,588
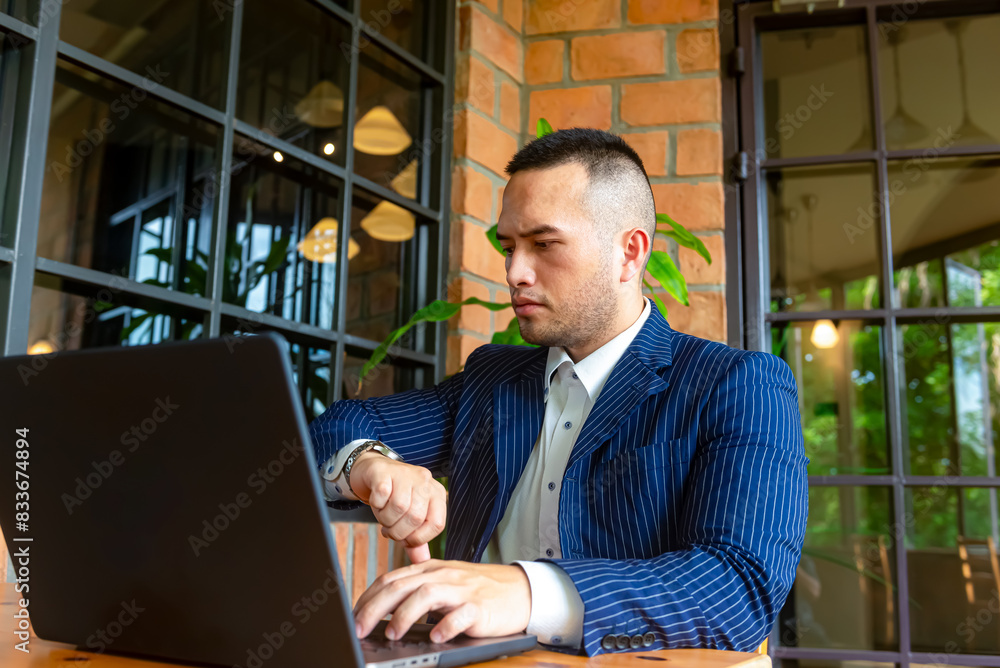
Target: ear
636,243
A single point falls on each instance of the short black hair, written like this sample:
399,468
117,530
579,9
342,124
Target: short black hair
587,146
618,193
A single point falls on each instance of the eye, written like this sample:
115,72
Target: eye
507,251
542,244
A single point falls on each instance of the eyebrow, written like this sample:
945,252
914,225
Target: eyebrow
542,229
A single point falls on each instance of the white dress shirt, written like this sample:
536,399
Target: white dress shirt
529,528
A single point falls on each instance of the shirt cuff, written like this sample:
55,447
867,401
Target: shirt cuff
556,607
332,470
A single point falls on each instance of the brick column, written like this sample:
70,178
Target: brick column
489,71
645,69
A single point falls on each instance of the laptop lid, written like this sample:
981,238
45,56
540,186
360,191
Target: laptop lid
172,507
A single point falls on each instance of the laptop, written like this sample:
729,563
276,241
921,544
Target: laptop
174,512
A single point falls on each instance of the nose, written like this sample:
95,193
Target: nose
519,270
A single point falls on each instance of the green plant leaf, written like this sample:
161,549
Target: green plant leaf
135,323
663,269
542,128
680,234
491,234
161,254
656,300
511,336
436,311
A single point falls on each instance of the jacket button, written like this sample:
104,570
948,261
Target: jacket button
648,639
622,641
608,641
636,641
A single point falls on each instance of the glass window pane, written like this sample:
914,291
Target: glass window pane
843,595
949,395
15,68
24,10
393,249
838,369
129,184
282,238
951,555
945,231
179,44
387,135
816,92
294,65
939,83
70,317
401,21
823,228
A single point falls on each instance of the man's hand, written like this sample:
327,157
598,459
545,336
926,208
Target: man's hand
480,600
406,500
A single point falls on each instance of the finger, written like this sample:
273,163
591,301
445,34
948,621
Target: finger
419,554
382,602
386,579
433,523
395,507
380,493
425,598
410,520
457,621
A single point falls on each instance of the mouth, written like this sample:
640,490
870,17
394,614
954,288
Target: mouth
526,307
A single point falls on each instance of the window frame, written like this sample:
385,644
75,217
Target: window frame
748,283
19,262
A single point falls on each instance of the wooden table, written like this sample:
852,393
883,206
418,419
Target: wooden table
53,654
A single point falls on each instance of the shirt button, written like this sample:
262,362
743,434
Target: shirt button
575,376
556,640
623,641
549,552
568,424
608,641
552,486
648,640
635,642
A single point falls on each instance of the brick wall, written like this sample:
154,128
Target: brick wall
645,69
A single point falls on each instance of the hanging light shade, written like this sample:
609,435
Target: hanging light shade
824,334
379,132
405,183
323,107
40,347
388,222
320,244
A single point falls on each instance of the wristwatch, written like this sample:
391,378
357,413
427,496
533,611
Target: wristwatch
377,446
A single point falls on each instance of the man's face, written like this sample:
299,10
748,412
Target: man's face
559,265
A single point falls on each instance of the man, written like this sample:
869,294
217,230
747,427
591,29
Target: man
629,486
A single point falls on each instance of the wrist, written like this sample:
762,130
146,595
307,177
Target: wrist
359,485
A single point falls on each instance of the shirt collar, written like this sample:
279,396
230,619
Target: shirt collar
595,369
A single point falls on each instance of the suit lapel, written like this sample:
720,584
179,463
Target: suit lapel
632,380
518,408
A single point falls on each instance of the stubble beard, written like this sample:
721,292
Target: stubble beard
584,316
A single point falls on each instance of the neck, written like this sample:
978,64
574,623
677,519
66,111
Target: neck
627,316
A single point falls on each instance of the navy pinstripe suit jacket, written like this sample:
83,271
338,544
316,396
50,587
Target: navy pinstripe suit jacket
683,507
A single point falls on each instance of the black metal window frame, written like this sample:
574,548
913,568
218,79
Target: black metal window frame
20,264
750,319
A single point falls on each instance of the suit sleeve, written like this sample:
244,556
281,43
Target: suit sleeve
418,424
743,524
